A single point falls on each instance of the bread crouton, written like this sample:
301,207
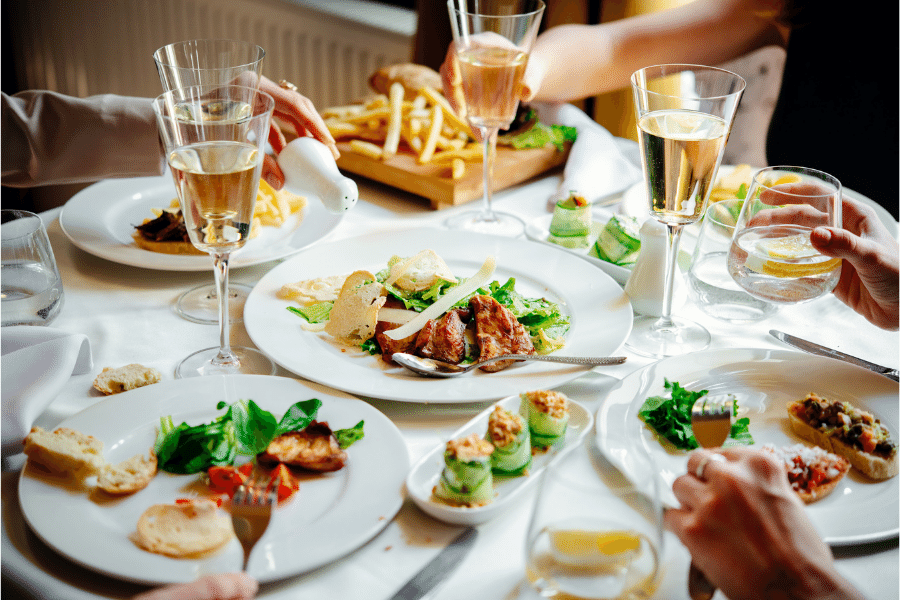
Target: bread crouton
65,452
355,312
128,476
121,379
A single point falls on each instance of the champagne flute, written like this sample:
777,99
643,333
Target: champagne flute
492,39
771,256
684,117
215,141
209,62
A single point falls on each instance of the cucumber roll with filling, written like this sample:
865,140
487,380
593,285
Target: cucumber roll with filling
619,241
509,434
548,417
466,479
571,223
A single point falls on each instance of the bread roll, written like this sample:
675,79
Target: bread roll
65,452
413,77
122,379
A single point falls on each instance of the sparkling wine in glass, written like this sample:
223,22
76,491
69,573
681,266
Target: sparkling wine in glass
684,117
492,39
215,140
209,62
771,256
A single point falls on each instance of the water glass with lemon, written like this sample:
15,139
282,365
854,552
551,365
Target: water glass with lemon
771,255
593,535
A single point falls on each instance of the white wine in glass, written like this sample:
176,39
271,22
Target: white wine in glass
492,39
684,117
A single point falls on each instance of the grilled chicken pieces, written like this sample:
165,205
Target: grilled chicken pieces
497,332
314,448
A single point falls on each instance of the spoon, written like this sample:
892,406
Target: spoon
430,367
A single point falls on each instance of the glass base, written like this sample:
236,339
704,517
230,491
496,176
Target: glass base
496,223
249,362
649,339
201,304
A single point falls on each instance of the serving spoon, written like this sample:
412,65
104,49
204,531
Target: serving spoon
430,367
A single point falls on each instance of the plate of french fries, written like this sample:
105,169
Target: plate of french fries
101,218
406,134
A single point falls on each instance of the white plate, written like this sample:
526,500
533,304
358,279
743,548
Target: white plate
634,202
538,230
333,513
764,381
424,475
600,312
101,218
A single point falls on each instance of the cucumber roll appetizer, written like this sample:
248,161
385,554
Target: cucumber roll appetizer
619,241
571,223
548,417
509,434
466,479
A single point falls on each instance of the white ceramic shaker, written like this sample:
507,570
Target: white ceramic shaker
309,170
645,285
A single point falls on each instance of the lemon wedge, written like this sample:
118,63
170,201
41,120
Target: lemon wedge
790,248
594,548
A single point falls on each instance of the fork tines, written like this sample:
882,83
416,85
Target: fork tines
706,408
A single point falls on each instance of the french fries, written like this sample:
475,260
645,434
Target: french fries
425,126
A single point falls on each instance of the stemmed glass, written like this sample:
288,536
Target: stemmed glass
209,62
492,39
684,117
771,255
215,141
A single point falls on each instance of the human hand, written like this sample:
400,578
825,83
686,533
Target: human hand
230,586
748,532
300,112
870,274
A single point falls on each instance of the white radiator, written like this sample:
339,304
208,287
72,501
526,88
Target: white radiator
87,47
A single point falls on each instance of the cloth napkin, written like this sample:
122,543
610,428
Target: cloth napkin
36,364
599,164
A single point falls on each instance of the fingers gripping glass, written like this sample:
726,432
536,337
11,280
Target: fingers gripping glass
215,141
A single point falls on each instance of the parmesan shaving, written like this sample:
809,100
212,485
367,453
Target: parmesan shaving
446,302
398,316
397,271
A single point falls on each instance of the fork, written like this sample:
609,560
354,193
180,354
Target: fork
251,511
711,422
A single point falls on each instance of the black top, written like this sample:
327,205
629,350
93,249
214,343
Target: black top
838,106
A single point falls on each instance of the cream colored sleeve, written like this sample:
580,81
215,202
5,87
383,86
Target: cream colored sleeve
50,138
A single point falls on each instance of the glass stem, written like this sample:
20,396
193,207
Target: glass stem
489,137
673,241
225,357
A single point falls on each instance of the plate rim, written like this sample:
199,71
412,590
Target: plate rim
724,355
70,218
261,327
28,488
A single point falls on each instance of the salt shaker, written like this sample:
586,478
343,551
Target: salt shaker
646,284
309,170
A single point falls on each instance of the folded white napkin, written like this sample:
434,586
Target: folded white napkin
36,364
599,164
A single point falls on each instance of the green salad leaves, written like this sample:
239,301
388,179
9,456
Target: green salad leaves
671,418
244,429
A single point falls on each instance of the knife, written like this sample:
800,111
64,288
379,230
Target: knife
423,583
814,348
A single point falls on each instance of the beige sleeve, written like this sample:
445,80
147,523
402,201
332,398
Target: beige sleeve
50,138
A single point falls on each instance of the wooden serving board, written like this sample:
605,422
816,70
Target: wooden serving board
433,180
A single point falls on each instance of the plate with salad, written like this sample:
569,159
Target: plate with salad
329,516
595,314
763,382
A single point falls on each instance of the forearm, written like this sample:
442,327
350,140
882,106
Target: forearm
586,60
50,138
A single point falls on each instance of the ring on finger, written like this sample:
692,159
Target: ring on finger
287,85
698,473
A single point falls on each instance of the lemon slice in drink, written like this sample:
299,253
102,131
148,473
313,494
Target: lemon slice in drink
594,548
783,251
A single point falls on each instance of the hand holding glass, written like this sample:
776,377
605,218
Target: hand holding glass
492,39
684,117
215,140
771,255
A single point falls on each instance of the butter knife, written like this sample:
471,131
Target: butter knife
423,584
814,348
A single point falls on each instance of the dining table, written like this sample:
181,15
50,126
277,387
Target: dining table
127,314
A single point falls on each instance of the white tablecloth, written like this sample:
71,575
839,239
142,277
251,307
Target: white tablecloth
127,314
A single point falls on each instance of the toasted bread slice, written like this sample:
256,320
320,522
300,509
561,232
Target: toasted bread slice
122,379
184,529
355,312
166,246
128,476
812,471
65,452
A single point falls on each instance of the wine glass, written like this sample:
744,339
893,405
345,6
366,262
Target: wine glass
215,141
684,117
492,39
771,256
209,62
